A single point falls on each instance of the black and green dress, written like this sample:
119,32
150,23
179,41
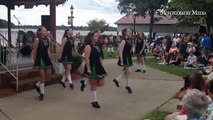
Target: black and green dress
139,46
66,56
97,69
127,57
42,60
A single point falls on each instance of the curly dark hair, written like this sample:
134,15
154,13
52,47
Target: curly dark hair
88,39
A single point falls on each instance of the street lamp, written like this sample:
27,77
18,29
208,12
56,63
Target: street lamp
134,18
71,10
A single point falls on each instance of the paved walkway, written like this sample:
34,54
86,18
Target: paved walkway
149,91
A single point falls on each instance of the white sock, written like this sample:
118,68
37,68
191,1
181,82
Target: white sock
86,81
63,79
69,79
128,80
119,77
144,67
94,96
42,88
38,84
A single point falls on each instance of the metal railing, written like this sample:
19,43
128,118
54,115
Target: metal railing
9,59
14,35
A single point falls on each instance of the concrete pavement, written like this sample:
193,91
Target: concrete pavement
149,91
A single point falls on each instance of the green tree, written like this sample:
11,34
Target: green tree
3,24
189,5
142,8
98,24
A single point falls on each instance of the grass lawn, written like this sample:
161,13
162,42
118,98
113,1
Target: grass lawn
114,56
151,62
149,54
179,71
155,115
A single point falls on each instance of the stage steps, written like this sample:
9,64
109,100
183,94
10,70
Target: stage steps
28,77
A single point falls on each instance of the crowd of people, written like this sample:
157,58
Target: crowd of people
188,51
196,98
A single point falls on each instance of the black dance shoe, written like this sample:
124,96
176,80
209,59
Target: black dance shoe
138,70
71,86
129,89
41,97
144,71
116,82
63,84
95,105
82,85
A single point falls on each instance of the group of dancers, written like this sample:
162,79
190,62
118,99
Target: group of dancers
94,71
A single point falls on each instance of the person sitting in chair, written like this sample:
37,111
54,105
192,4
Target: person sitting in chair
175,58
191,61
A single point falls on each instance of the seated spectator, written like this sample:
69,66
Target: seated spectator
208,73
162,57
210,107
203,59
157,51
191,60
195,105
173,48
208,78
187,82
195,81
175,58
187,86
210,69
190,47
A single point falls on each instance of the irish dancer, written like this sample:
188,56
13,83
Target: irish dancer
125,60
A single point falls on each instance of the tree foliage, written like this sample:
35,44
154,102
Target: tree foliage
98,24
142,8
189,5
3,24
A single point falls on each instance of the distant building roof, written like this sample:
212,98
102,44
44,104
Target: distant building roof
129,19
29,2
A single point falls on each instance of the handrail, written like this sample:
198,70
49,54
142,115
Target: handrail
9,59
6,40
4,37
